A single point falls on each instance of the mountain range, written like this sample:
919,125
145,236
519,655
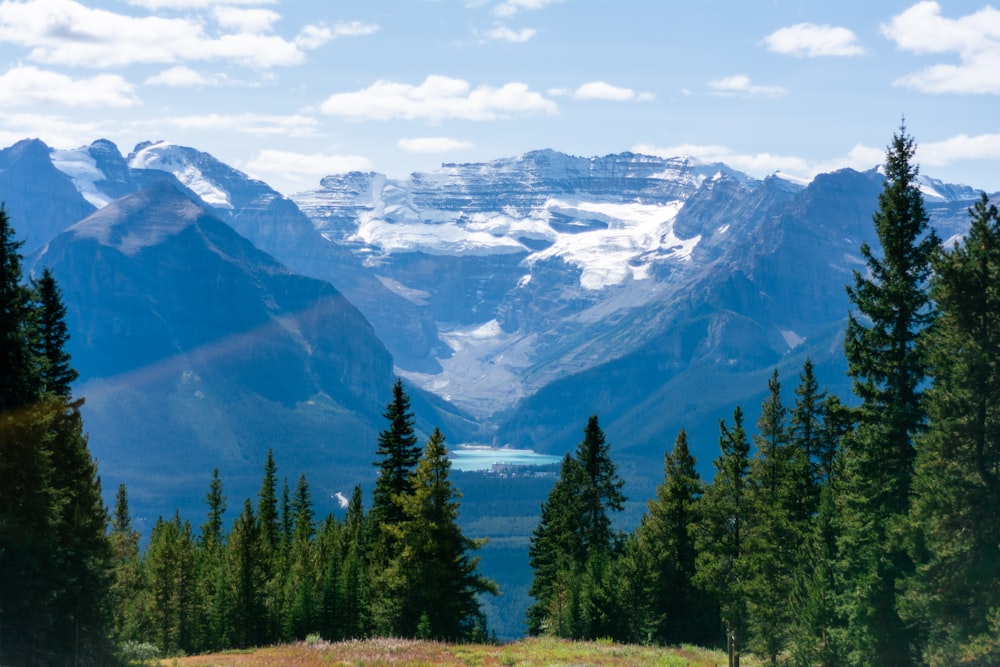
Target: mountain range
212,318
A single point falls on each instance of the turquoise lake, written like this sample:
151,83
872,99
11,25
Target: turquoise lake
482,458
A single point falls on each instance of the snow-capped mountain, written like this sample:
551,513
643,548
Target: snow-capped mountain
546,274
514,288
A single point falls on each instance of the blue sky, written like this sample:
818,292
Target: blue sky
291,90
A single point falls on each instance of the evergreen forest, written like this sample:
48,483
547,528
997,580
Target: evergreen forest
861,530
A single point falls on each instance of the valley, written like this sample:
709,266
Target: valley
212,318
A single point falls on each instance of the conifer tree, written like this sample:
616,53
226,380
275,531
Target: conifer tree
805,432
169,564
665,535
56,371
128,590
268,522
19,382
353,584
956,504
721,567
887,360
772,539
572,545
817,631
300,580
267,507
213,588
398,451
440,584
555,556
54,551
246,561
600,490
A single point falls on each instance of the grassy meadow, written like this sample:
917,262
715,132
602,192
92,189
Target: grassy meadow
524,653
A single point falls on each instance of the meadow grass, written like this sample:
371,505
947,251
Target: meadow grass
534,652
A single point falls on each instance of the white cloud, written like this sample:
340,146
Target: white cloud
22,86
763,164
505,34
511,7
195,4
315,36
740,84
432,145
958,148
293,126
437,98
246,20
178,77
354,29
301,169
975,38
599,90
56,131
812,41
65,32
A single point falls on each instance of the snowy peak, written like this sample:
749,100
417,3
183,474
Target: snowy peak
609,217
98,171
191,167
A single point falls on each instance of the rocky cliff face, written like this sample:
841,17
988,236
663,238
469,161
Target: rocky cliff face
566,285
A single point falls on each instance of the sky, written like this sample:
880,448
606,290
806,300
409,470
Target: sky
291,90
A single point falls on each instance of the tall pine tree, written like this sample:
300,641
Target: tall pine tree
887,360
440,584
398,451
55,556
573,543
956,504
773,537
722,569
685,614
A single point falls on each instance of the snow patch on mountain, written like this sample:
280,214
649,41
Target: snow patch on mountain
82,168
441,238
171,158
636,234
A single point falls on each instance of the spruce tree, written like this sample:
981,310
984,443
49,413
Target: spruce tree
572,545
665,536
57,373
55,556
352,584
773,537
398,451
170,567
268,517
269,526
300,615
956,505
600,489
19,382
805,432
440,584
555,555
887,360
246,563
128,591
213,589
722,569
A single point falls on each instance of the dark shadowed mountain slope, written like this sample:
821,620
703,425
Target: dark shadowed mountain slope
198,350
